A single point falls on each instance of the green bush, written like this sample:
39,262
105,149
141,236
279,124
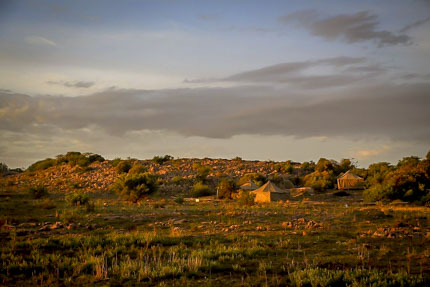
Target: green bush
37,192
179,200
257,178
78,199
42,164
200,190
123,166
136,169
177,180
74,158
162,159
226,188
246,198
3,168
133,187
320,180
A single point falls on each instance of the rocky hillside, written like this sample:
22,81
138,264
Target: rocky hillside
98,176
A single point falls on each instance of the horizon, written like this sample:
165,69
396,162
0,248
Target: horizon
194,79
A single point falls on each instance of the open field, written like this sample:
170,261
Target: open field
320,241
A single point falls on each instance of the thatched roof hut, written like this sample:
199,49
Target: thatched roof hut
270,192
249,185
350,181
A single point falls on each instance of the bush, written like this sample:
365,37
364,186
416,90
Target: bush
42,164
179,200
136,169
78,199
226,188
74,158
320,181
200,190
123,166
177,180
161,159
133,187
341,193
38,192
246,198
3,168
257,178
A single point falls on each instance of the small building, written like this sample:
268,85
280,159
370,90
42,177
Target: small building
249,185
350,181
270,192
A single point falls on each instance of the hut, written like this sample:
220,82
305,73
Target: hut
249,185
350,181
270,192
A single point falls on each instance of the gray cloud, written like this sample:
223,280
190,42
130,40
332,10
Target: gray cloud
415,24
385,111
350,28
294,73
75,84
208,17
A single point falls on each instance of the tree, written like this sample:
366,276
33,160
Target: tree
345,165
162,159
202,173
200,190
3,168
324,164
134,187
257,178
226,188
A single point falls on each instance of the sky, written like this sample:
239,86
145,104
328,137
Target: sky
263,80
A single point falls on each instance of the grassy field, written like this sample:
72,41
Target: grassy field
320,241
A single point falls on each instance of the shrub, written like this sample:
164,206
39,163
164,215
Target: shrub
78,199
226,188
246,198
123,167
161,159
179,200
200,190
202,173
42,164
341,193
133,187
115,161
3,168
136,169
320,181
177,180
74,158
257,178
38,192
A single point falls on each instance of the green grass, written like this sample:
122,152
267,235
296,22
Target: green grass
159,242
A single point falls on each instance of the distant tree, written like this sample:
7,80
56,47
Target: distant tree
200,190
410,160
226,188
202,173
308,167
134,187
324,164
42,164
123,166
3,168
257,178
346,164
320,180
137,168
287,167
161,159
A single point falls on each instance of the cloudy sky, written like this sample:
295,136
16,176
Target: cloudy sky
262,80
